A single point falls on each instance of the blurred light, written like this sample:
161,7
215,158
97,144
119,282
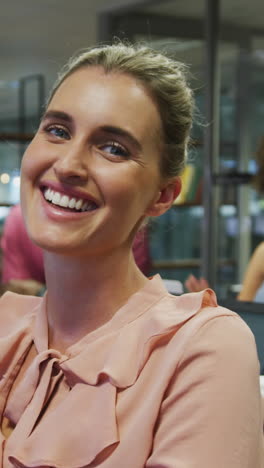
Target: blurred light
5,178
4,210
196,211
259,54
16,181
227,210
252,166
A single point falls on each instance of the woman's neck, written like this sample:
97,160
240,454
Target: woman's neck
83,295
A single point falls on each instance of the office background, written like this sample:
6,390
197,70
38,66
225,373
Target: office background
219,219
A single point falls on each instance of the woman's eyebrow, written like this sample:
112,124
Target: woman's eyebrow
53,114
113,130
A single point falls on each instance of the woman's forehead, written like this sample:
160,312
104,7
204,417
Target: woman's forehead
91,80
91,92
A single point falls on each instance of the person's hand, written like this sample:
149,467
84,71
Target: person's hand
193,284
26,286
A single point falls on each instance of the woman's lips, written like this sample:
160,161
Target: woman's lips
68,202
67,189
68,198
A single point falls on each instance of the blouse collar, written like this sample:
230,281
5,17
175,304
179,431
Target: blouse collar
136,305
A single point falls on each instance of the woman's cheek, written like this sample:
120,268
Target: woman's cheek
28,162
33,161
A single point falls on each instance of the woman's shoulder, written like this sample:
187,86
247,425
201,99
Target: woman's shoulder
204,333
166,331
191,310
196,319
16,311
212,330
199,308
184,315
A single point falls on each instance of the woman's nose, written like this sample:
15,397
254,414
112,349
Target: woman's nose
71,165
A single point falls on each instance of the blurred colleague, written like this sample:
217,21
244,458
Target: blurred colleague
22,261
252,286
253,283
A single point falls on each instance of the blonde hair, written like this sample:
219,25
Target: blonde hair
164,78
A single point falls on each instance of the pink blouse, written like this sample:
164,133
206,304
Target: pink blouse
168,382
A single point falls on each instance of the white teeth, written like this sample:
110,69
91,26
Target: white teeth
66,202
72,203
46,194
78,204
56,198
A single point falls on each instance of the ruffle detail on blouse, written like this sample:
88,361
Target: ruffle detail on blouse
87,427
83,427
122,355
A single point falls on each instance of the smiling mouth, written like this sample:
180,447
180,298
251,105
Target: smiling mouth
68,203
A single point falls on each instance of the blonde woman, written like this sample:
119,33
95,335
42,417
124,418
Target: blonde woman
108,369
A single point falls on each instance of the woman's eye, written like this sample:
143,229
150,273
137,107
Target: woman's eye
115,149
58,132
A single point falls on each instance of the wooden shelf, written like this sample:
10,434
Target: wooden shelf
187,263
223,144
186,204
6,204
19,137
167,264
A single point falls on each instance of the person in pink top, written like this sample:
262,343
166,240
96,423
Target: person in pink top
108,369
22,260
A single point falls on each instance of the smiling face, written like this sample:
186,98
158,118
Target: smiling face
91,173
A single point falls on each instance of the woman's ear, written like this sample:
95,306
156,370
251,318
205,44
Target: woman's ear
165,197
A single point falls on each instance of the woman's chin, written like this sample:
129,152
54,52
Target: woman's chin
49,240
